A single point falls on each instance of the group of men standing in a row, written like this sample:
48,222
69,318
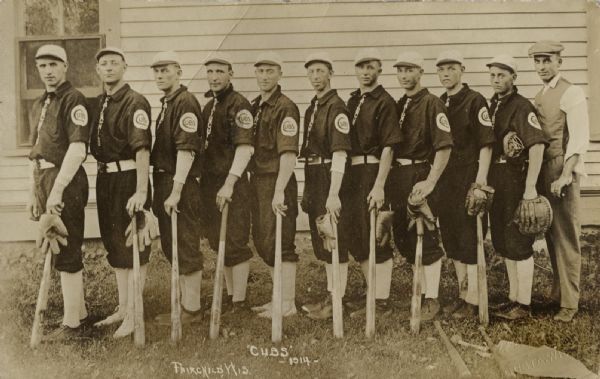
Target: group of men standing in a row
371,152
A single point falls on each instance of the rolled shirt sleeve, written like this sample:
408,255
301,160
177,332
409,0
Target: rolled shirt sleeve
574,104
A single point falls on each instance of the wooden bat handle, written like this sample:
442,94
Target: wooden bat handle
277,300
415,303
503,364
463,370
139,336
484,317
42,302
336,295
215,313
370,326
175,290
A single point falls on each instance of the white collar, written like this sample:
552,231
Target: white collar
553,82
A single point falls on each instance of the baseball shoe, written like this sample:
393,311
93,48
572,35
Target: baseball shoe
516,312
497,307
186,318
314,307
356,303
64,333
287,309
382,308
262,308
565,314
118,316
324,313
429,309
453,306
238,307
465,311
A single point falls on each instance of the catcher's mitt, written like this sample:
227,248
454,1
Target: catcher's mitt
52,233
383,229
534,216
417,207
147,230
325,227
479,199
513,146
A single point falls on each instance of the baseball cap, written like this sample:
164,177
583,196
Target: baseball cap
109,50
319,56
545,48
367,55
269,57
52,51
409,59
219,57
449,56
164,58
504,61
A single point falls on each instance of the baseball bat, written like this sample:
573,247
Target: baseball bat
175,290
415,303
503,363
215,313
370,327
463,370
276,301
42,302
484,317
139,337
338,322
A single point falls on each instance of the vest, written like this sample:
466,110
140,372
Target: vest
553,119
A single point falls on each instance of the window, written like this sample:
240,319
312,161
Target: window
72,24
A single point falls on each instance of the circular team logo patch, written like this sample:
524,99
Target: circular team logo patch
243,119
141,120
442,122
189,122
533,120
484,117
289,127
79,115
342,124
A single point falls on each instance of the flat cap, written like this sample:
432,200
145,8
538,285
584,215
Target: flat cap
270,58
545,48
319,56
409,59
503,61
449,56
219,57
52,51
109,50
164,58
367,55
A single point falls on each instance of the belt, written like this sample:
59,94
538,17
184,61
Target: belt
407,162
43,164
116,166
363,159
315,160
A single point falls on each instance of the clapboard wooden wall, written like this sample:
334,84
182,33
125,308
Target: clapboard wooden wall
196,28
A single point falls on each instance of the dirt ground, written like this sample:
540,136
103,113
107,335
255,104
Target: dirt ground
308,349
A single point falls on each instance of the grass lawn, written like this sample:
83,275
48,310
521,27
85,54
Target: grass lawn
308,349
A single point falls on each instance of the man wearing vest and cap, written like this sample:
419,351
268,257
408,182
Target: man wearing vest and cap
228,149
563,114
420,161
324,149
60,131
120,142
175,159
273,181
513,178
373,135
468,166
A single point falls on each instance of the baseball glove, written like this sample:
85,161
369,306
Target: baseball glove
534,216
479,199
417,207
383,229
325,227
147,230
513,146
52,233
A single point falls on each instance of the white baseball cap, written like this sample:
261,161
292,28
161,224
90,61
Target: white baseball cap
319,56
270,58
449,56
219,57
164,58
367,55
504,61
409,59
52,51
